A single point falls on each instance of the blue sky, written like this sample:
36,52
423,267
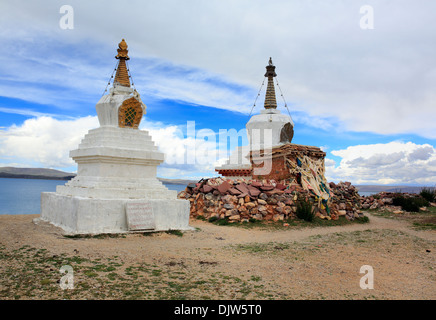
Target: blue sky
366,96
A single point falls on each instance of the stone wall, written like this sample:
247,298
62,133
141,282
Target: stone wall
242,200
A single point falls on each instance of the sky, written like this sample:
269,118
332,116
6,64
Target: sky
358,78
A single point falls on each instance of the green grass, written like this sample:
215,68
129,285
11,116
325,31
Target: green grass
305,211
293,223
428,194
424,226
31,272
175,232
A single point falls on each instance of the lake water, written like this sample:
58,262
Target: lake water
366,193
23,196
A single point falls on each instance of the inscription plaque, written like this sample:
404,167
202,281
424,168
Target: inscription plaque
140,216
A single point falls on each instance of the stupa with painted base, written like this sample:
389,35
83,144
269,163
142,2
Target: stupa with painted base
116,189
267,130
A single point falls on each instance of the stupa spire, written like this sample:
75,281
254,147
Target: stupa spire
270,96
122,76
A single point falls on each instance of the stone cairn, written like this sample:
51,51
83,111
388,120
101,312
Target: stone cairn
242,200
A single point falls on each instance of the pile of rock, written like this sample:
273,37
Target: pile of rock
384,201
242,200
346,199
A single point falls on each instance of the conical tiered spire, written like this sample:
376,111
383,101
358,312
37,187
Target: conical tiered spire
270,96
122,76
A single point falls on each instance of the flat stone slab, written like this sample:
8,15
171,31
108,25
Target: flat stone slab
140,216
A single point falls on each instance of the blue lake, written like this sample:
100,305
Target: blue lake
23,196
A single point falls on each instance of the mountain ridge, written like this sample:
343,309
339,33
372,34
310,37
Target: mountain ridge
52,174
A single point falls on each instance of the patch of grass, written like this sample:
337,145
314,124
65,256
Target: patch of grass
95,236
255,247
256,278
363,219
90,273
424,226
292,223
29,272
213,219
305,210
222,222
411,204
175,232
428,194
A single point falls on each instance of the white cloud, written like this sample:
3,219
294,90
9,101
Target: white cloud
43,141
379,80
390,163
46,142
32,113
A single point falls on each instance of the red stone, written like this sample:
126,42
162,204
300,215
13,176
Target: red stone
242,187
280,186
207,188
274,191
234,191
267,187
254,192
224,187
256,184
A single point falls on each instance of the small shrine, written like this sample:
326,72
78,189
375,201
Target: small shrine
116,189
271,155
270,177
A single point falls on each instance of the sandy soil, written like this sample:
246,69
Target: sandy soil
220,262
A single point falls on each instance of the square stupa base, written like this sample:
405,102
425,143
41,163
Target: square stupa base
79,215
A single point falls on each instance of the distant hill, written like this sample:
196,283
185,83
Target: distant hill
377,188
51,174
177,181
35,173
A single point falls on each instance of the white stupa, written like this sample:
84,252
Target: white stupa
116,189
267,130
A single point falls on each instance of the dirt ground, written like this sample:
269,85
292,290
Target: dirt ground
219,262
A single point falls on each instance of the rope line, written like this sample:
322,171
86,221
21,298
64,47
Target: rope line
258,94
112,76
130,75
281,93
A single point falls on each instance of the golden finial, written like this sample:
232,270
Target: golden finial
122,50
270,96
122,75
